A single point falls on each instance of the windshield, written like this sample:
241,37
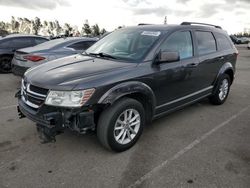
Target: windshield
126,44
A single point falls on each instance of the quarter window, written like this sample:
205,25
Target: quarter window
179,42
223,42
206,42
40,40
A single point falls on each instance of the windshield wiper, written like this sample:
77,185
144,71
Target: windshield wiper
102,54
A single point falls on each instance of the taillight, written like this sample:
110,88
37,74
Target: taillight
34,58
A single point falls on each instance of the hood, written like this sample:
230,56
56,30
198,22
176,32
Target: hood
65,73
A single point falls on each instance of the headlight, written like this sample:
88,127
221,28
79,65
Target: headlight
69,98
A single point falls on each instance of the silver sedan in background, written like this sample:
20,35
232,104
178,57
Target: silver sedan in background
28,57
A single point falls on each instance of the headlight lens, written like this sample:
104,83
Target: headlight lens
69,98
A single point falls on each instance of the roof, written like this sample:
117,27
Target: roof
22,35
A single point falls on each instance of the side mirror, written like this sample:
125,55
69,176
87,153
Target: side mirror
167,57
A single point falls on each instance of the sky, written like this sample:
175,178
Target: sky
232,15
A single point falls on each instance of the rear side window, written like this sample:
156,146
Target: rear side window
81,45
206,42
21,42
39,40
179,42
222,42
5,43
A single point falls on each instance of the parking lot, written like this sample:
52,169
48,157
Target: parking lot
200,146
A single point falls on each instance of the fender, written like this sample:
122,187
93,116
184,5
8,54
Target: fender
126,88
225,67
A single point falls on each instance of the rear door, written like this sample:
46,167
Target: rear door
209,59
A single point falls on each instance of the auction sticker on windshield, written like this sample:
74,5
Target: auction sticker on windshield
151,33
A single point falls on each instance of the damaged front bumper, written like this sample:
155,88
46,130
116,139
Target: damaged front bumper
53,120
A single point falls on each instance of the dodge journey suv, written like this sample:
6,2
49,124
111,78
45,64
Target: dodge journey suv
127,79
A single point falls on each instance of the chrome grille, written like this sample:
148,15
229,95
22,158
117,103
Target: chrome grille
32,95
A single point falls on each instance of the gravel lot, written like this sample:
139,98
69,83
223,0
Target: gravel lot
199,146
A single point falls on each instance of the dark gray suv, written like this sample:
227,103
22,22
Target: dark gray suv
127,79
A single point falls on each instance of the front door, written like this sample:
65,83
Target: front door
176,80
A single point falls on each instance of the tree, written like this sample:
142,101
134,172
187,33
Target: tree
58,27
36,25
14,25
67,29
95,30
48,28
86,28
103,31
2,25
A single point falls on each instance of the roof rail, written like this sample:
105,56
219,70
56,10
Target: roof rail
197,23
144,24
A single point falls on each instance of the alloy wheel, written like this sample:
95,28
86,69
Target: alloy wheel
127,126
223,91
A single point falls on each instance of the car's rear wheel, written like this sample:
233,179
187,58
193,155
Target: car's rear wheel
5,64
221,91
120,125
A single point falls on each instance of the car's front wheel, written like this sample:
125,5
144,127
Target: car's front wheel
120,125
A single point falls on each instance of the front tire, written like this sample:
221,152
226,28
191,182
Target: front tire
221,91
121,124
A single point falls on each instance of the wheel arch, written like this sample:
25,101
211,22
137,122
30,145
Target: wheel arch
228,69
7,54
133,89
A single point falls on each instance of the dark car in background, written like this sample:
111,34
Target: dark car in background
51,50
11,43
239,40
127,79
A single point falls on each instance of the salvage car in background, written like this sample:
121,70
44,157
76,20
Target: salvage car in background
11,43
54,49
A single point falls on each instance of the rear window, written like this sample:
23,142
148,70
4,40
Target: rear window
81,45
222,42
51,43
206,42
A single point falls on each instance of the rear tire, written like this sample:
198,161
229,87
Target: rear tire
221,91
5,64
121,124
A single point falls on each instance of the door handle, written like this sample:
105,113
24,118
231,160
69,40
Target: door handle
192,65
221,58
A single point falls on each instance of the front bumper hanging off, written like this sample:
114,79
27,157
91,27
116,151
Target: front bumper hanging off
52,121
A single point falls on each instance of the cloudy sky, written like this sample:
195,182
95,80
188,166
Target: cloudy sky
232,15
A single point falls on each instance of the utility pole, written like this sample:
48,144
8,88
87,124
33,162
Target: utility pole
165,20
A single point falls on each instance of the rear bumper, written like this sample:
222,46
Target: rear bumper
19,70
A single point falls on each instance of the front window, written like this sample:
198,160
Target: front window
179,42
126,44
